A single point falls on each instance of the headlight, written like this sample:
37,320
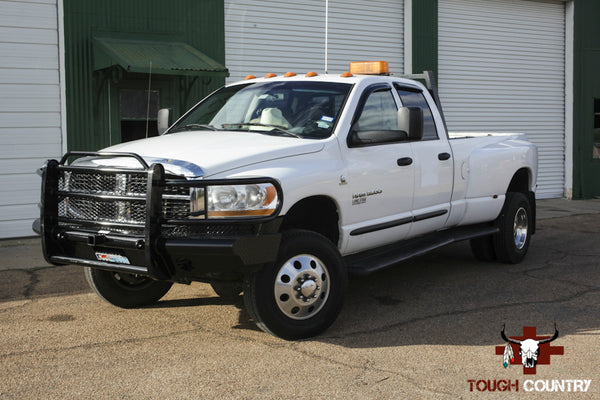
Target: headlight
255,200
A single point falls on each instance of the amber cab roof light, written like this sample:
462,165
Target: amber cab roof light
369,68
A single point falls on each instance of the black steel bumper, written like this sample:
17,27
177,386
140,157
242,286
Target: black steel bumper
145,249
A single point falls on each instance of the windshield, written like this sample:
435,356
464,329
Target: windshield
299,109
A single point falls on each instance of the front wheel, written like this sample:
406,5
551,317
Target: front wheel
126,290
301,294
515,223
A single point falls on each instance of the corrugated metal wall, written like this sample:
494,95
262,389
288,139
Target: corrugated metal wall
198,23
30,123
289,35
502,69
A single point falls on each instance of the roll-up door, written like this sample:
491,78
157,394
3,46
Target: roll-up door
288,35
30,119
502,69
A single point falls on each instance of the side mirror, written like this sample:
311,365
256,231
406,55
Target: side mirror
410,120
164,119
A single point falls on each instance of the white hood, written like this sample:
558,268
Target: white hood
205,153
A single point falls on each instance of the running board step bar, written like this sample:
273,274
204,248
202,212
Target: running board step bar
371,261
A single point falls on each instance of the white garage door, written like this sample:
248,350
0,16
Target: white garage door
283,36
502,68
29,108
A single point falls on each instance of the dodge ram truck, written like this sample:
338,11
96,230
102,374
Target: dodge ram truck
280,187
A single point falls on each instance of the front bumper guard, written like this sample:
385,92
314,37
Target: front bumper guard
150,253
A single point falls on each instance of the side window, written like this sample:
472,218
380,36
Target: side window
379,112
378,121
411,98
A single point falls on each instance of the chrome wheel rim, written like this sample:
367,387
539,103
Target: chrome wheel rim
520,228
301,287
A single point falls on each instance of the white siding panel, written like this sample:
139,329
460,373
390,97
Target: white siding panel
19,228
283,36
366,31
19,189
30,119
501,68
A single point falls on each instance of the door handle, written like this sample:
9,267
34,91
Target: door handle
404,161
443,156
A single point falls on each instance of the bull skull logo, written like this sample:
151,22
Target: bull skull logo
529,349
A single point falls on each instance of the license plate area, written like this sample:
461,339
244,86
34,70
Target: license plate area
111,257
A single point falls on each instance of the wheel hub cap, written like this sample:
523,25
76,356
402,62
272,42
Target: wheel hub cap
301,286
520,228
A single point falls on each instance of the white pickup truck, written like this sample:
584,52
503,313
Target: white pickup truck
282,186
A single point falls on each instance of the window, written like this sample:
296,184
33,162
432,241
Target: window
305,109
378,120
379,113
138,113
412,98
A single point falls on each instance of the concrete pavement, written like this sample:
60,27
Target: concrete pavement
421,330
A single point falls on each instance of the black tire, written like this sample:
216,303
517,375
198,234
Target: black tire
483,248
515,223
226,289
301,294
126,290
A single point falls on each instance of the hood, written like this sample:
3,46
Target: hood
205,153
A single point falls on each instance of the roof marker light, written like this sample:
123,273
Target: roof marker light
347,75
370,68
311,74
289,74
249,77
270,75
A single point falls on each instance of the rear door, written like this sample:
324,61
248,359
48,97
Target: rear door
433,168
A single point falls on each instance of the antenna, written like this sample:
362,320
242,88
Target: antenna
148,103
326,32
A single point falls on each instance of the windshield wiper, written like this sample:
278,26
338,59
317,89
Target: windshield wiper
278,128
192,127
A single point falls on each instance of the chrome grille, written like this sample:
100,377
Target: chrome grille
130,212
122,184
125,185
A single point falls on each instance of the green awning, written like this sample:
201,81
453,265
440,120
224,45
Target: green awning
167,57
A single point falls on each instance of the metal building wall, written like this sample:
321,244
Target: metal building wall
502,69
198,23
289,35
30,111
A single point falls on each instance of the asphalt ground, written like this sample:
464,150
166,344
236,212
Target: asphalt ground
425,329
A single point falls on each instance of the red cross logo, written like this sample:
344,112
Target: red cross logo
546,349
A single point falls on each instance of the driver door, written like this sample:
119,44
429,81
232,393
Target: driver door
380,174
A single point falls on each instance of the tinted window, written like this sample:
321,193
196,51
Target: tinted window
378,113
378,120
416,99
